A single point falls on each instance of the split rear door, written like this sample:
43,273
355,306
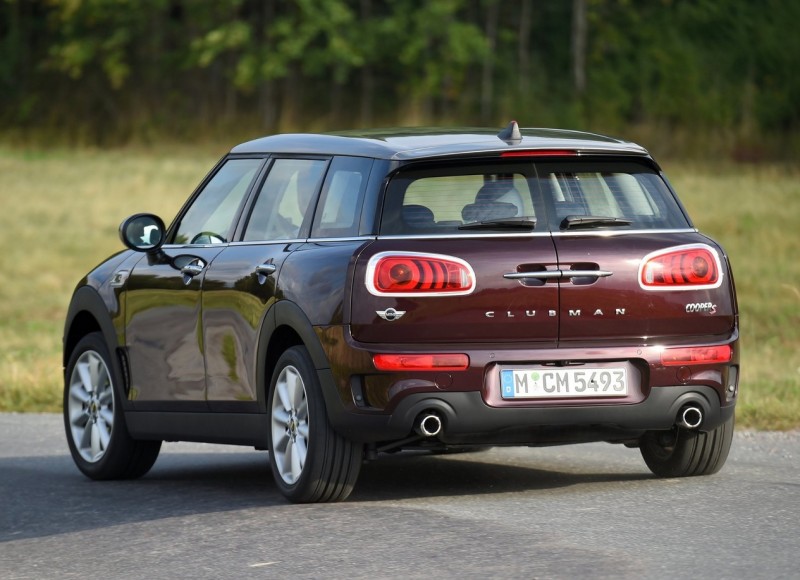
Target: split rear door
555,249
425,212
616,223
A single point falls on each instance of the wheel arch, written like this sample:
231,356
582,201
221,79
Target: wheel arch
286,325
87,313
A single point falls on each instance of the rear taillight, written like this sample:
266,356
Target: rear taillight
421,362
696,355
690,267
416,274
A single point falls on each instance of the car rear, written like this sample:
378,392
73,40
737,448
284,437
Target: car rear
540,297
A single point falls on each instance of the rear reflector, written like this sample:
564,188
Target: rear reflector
690,267
696,355
416,274
541,153
420,362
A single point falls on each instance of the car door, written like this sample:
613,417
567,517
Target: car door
461,247
612,219
241,284
163,334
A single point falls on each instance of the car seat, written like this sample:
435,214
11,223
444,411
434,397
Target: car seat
418,216
496,199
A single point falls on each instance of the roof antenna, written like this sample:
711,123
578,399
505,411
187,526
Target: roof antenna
511,134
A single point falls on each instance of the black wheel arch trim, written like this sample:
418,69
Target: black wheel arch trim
87,300
285,313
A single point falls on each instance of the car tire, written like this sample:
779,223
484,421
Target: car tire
310,461
681,452
98,438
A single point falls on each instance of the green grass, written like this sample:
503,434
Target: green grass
59,213
59,217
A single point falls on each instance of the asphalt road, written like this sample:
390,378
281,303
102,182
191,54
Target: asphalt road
587,511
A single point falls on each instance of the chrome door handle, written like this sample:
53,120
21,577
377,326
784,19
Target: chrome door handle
192,270
550,274
266,269
586,273
542,275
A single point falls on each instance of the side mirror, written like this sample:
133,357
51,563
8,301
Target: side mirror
143,232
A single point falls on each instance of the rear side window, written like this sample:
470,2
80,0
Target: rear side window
342,198
447,200
283,208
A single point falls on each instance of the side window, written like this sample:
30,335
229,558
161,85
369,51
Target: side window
342,197
285,201
210,217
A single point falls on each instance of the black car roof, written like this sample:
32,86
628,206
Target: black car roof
419,143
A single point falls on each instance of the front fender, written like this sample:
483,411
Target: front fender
87,313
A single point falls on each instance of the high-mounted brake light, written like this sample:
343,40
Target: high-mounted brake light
696,355
417,274
689,267
541,153
421,362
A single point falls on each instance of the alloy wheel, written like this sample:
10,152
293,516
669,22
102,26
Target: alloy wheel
290,424
91,406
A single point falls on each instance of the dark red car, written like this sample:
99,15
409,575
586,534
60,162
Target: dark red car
331,297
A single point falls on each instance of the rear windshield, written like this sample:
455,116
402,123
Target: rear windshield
557,196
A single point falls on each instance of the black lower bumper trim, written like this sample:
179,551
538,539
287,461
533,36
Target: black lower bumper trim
467,418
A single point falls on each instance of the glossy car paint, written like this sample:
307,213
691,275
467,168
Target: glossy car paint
616,308
235,324
451,320
236,296
163,329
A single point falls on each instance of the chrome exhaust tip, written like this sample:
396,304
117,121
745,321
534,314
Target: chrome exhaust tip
690,417
429,425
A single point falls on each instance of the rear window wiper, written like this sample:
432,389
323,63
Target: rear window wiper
572,222
518,223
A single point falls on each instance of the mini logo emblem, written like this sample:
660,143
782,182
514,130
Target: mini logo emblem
390,314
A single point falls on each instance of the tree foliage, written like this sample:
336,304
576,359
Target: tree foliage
111,70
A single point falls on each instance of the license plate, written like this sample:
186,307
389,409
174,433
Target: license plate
569,382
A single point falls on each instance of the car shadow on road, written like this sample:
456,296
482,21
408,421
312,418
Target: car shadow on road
422,475
50,496
46,495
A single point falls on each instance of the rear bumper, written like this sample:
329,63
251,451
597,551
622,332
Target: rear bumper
367,405
467,419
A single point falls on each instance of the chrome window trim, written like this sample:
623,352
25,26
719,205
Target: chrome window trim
262,242
582,233
345,239
463,236
302,240
611,233
193,246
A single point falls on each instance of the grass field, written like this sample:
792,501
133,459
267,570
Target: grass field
60,211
